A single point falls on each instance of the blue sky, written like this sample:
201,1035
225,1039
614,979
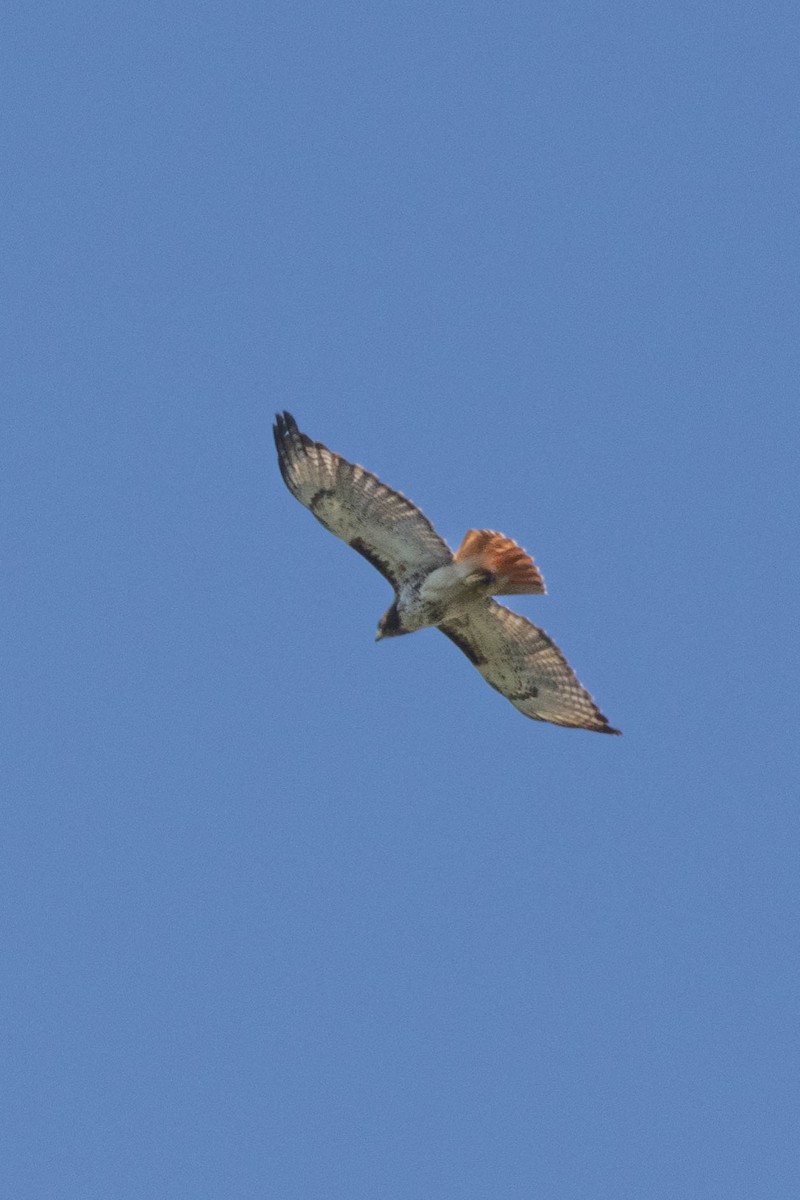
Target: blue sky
286,913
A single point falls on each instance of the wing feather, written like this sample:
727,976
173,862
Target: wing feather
525,665
381,524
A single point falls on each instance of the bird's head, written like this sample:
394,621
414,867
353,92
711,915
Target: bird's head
389,624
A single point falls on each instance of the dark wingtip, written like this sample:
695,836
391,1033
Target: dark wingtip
284,423
278,431
283,430
608,729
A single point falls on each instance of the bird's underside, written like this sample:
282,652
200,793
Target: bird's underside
434,587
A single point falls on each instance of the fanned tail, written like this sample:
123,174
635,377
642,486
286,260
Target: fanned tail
514,571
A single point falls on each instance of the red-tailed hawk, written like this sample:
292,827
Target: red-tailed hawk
433,586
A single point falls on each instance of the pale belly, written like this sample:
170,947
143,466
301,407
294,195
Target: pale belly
443,592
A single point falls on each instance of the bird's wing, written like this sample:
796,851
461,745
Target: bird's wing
522,663
388,530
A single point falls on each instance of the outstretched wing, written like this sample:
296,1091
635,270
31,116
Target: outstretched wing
379,523
522,662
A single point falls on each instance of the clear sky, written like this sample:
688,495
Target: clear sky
288,914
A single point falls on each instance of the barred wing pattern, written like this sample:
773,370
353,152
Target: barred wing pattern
388,530
520,661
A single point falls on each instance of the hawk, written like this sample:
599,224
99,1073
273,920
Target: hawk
434,587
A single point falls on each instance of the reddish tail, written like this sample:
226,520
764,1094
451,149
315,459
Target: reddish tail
513,569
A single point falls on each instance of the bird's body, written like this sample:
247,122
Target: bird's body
435,587
431,599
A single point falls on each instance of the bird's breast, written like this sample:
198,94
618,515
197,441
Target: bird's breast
429,600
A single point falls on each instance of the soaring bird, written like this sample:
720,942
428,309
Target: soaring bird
435,587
